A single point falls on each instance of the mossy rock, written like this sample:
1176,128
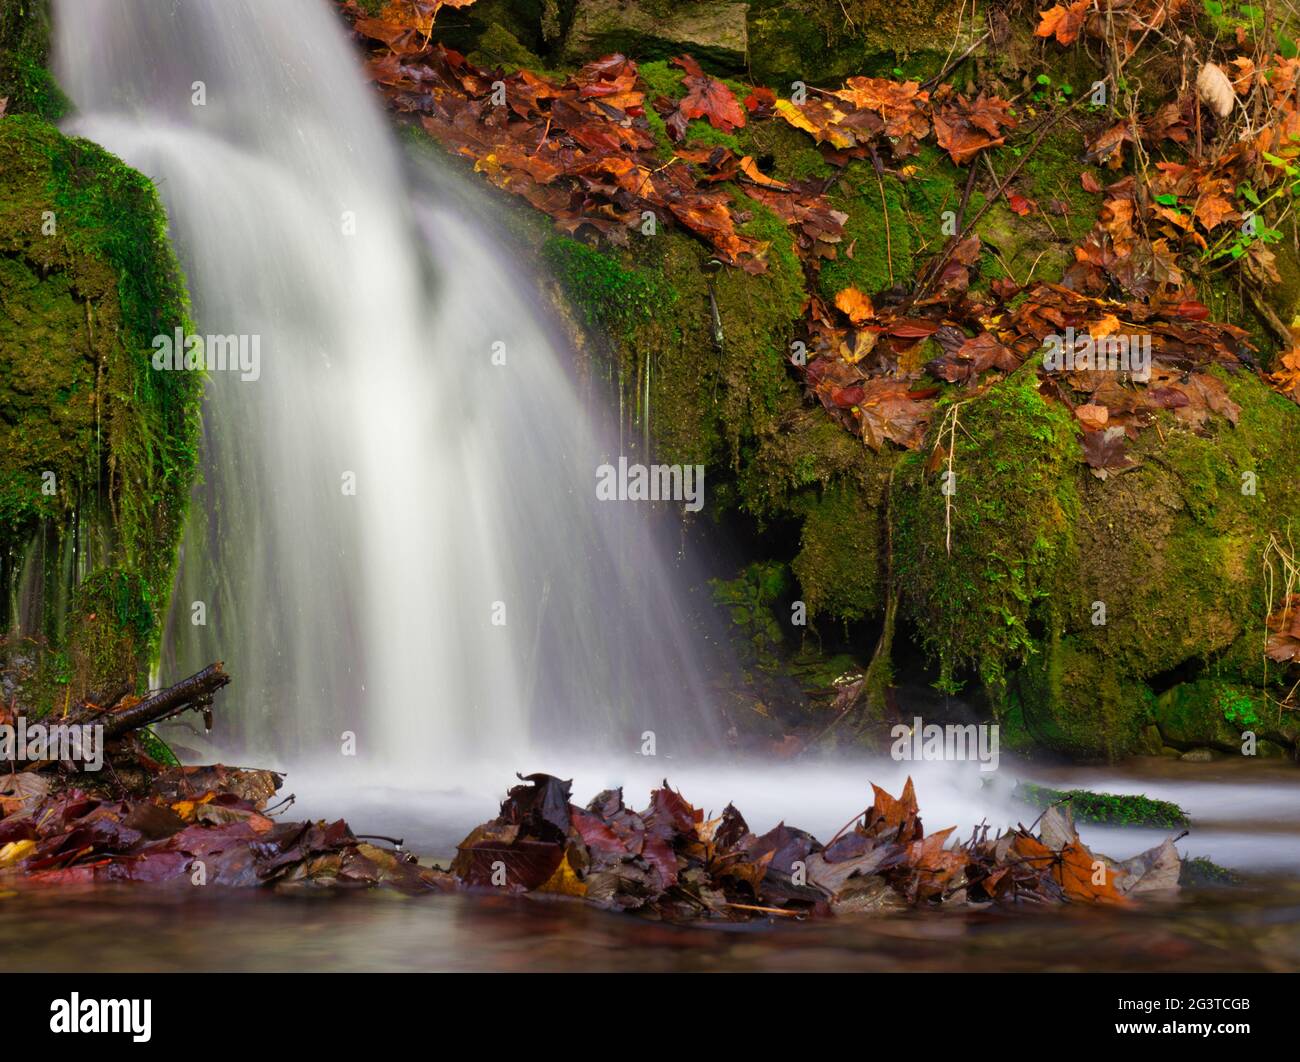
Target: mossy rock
1174,547
712,32
1086,590
979,566
24,44
1209,713
111,634
499,48
840,564
1073,703
1107,809
97,449
823,41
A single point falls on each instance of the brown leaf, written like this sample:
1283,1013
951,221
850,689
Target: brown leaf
707,97
1063,23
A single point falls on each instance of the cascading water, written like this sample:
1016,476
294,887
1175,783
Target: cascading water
396,534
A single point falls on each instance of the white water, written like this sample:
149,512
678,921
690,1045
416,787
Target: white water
474,482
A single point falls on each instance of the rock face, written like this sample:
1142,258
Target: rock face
660,29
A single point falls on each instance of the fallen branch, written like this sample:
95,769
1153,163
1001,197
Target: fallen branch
194,692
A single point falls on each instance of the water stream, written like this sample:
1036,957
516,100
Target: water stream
397,534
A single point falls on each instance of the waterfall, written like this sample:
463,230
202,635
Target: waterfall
396,533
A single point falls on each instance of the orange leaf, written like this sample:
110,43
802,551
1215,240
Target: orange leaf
854,305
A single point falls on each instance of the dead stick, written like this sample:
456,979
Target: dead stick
927,85
188,692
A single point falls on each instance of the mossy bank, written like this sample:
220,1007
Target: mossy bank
97,449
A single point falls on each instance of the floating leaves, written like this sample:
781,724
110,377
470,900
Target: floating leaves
672,861
197,825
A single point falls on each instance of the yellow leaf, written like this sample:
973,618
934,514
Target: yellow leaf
16,852
564,881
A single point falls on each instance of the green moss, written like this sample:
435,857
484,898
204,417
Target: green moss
1107,809
1202,871
157,748
1075,703
113,631
87,279
875,255
661,79
750,600
24,46
707,405
608,295
499,48
783,151
883,251
1176,548
1211,713
978,567
823,41
839,565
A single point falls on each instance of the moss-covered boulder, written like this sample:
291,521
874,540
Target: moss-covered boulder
1069,596
97,449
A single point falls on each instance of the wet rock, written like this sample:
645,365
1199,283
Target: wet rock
660,29
1200,756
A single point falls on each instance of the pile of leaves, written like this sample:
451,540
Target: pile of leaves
195,826
1129,276
671,861
582,151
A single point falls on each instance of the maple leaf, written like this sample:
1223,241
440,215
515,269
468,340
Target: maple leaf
890,410
820,119
1105,452
760,102
1286,378
1092,417
899,103
1063,23
854,305
972,357
1020,205
752,173
1084,877
1108,146
965,127
706,97
1213,208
